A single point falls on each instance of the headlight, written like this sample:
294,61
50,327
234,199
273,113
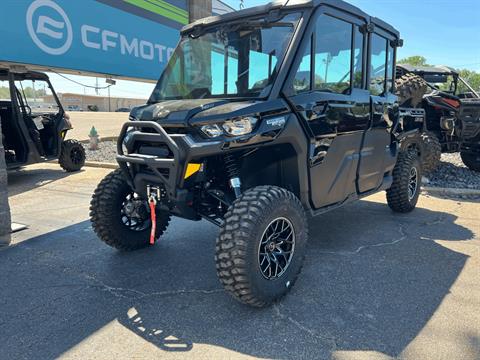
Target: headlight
235,127
241,126
212,130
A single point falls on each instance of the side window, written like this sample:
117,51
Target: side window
333,54
262,70
358,59
301,82
378,60
390,68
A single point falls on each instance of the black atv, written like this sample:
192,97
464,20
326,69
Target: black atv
452,109
33,130
246,129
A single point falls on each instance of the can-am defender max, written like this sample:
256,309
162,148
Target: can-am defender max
248,130
35,131
452,106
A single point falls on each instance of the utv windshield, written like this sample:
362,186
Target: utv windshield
232,60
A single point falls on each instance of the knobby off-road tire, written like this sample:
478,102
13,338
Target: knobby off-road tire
410,89
432,153
471,160
106,215
72,156
402,197
248,221
426,146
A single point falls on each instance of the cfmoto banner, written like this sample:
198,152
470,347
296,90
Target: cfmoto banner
121,38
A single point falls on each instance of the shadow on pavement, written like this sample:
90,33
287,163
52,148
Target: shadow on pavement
20,181
371,281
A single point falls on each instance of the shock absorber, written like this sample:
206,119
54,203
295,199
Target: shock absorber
231,166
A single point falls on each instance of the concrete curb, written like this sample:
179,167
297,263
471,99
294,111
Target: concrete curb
452,191
103,165
105,138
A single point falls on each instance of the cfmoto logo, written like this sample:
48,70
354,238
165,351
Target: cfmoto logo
49,27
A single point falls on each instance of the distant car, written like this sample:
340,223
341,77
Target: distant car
74,108
122,110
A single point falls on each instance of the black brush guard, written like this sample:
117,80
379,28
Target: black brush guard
166,171
147,169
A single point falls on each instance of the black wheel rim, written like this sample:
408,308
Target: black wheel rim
412,183
76,156
276,248
135,213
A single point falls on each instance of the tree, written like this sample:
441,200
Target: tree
4,92
416,60
471,77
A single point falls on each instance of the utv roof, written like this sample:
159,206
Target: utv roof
289,5
422,70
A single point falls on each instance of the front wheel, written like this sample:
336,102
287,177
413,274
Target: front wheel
260,250
403,194
120,218
471,160
72,156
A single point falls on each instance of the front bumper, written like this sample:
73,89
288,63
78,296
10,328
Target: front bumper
167,165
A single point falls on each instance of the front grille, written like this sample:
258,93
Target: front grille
175,130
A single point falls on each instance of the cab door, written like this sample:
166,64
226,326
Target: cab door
326,87
376,156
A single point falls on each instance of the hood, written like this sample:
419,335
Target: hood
199,111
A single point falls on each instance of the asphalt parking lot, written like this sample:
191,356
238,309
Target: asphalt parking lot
375,285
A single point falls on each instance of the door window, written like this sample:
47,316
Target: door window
302,82
390,68
377,64
333,54
358,59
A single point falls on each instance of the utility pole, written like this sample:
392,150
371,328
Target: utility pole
110,83
198,9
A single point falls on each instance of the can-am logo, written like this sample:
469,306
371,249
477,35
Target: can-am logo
52,35
51,30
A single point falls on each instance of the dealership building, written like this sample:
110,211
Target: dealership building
81,102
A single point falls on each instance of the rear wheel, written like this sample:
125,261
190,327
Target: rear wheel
260,250
471,160
432,153
427,147
120,218
403,194
72,156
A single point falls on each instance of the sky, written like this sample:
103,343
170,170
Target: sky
446,32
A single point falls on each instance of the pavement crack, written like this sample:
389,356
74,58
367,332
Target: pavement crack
121,292
402,237
115,291
182,292
439,220
329,339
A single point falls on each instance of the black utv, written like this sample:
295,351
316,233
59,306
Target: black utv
452,107
262,118
34,123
